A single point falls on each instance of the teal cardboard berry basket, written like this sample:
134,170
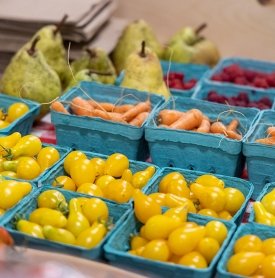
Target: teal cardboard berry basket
24,123
98,135
119,243
262,232
204,152
134,166
117,214
244,186
260,158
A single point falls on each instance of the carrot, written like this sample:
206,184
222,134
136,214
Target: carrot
271,131
92,103
139,108
139,119
117,117
80,107
107,106
190,120
59,107
233,125
123,108
100,114
167,116
267,141
204,127
220,128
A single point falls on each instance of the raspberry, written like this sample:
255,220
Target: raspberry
260,82
240,80
217,77
270,78
234,71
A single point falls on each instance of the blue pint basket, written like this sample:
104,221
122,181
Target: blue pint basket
245,187
198,151
116,212
118,245
262,232
260,158
24,123
58,170
248,64
96,134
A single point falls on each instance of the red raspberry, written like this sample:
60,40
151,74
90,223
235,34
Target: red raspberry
217,77
260,82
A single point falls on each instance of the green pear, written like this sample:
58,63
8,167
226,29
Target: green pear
143,72
129,41
96,60
29,76
84,75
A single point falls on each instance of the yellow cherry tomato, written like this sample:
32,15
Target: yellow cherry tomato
193,259
158,197
225,215
208,212
234,199
248,243
268,246
210,180
17,110
4,124
99,165
137,242
28,168
268,202
58,235
172,200
10,174
52,199
216,230
2,212
189,225
141,178
167,179
95,210
103,181
208,247
268,266
116,164
7,142
127,175
178,187
157,250
32,229
119,191
90,189
66,183
177,212
71,158
47,157
245,263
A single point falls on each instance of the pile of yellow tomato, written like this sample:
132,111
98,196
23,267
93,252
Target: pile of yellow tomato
81,221
265,209
25,157
11,192
110,178
169,237
14,111
207,195
253,257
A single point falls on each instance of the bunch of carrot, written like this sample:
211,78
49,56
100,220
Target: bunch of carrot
270,140
126,113
195,120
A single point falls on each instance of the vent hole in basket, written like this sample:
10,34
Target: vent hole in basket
267,180
212,170
191,167
171,164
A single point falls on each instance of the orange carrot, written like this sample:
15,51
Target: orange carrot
167,116
100,114
59,107
139,119
139,108
123,108
204,127
80,107
188,121
107,106
233,125
267,141
220,128
116,117
271,131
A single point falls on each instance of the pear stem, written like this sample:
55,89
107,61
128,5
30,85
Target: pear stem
142,52
91,52
60,24
200,28
99,72
31,50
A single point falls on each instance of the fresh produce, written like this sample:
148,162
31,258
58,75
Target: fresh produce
176,80
130,40
169,237
195,120
25,157
84,223
188,46
253,257
14,112
11,192
206,195
143,72
126,113
241,76
270,139
242,99
110,178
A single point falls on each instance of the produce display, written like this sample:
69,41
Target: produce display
206,195
110,178
195,120
270,139
81,221
175,80
11,192
242,99
14,112
169,237
241,76
25,157
126,113
253,257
